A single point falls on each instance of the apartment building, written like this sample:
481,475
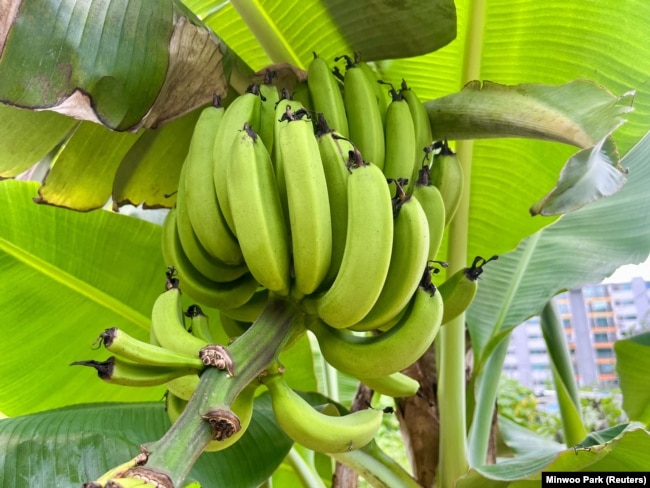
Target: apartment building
594,317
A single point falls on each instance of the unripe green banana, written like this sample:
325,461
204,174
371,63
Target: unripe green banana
246,108
201,259
364,117
400,140
308,202
334,151
300,94
131,483
174,405
270,96
381,95
434,207
200,194
249,311
423,136
408,259
257,212
128,347
459,289
388,352
168,325
233,327
117,471
326,95
210,293
184,386
368,248
396,385
122,372
315,430
286,104
447,176
199,324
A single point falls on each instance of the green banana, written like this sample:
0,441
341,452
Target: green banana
423,135
233,327
300,94
368,248
408,259
201,259
168,325
174,405
334,150
326,94
257,212
183,387
251,309
128,347
118,471
246,108
399,139
210,293
201,199
381,95
388,352
315,430
460,288
434,207
364,117
447,175
286,104
395,385
122,372
270,96
199,323
308,202
131,483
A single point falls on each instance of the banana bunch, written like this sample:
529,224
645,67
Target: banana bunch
335,197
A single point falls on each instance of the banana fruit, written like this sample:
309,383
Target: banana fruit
459,289
316,430
389,352
368,247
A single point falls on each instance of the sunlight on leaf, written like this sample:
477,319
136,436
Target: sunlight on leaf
70,446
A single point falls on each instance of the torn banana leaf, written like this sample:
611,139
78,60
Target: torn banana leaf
122,63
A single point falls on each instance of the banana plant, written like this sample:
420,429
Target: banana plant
487,70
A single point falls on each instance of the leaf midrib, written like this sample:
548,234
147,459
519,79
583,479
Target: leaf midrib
75,284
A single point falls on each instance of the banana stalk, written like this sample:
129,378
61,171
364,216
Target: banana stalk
177,451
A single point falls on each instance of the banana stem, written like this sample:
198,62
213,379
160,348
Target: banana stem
307,475
451,380
177,451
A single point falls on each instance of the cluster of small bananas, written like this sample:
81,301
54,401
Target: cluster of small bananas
337,201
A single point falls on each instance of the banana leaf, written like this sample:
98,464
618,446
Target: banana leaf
73,445
68,276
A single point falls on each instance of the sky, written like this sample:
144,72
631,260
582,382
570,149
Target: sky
627,272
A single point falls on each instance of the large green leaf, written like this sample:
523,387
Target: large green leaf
67,447
121,63
582,247
527,42
632,363
614,451
20,145
68,276
267,32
